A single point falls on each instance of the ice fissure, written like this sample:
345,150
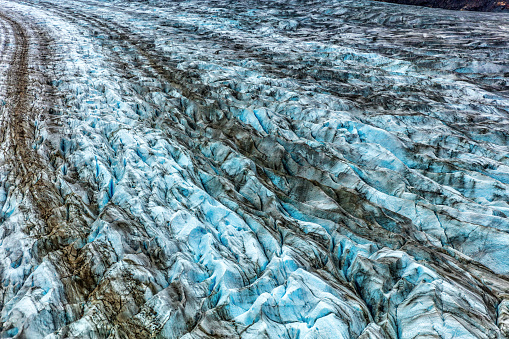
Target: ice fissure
277,169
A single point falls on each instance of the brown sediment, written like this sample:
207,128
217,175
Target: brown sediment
29,97
63,224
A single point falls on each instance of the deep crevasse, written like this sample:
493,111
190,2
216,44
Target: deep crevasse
267,169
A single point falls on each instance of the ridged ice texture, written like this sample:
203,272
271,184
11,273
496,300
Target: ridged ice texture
292,169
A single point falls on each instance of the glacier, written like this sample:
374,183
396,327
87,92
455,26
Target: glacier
253,169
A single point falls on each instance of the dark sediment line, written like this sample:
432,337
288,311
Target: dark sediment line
463,5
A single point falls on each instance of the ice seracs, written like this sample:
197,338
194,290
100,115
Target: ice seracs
254,170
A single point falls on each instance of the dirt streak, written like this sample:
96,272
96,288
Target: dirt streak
28,97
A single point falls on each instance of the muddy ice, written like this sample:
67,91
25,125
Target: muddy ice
253,169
